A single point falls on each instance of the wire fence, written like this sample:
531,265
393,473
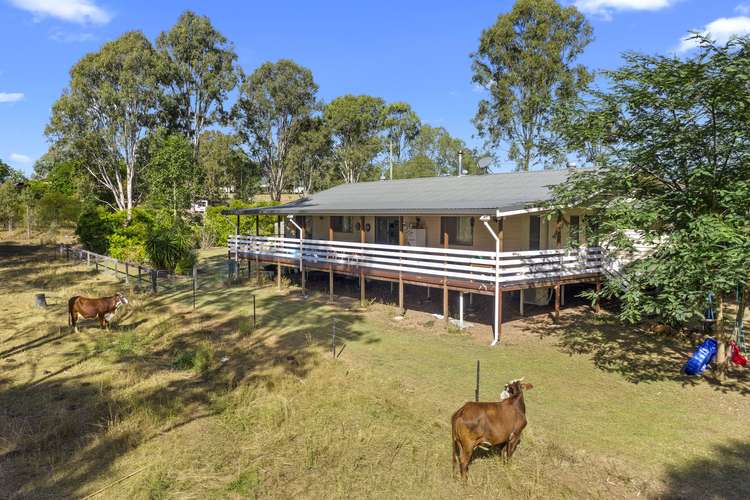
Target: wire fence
157,280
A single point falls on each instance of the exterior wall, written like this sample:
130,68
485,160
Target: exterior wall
515,231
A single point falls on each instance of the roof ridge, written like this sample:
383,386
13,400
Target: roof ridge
477,176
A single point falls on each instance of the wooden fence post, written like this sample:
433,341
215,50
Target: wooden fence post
195,283
476,391
139,275
127,272
153,280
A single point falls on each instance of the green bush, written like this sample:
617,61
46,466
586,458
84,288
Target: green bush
169,242
95,227
219,226
58,210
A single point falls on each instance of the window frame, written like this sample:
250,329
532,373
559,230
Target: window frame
449,224
341,227
535,220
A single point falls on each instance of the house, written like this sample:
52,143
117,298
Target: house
484,235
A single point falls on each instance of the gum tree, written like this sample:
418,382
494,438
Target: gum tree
274,100
106,111
526,63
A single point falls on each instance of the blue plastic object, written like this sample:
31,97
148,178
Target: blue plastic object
702,356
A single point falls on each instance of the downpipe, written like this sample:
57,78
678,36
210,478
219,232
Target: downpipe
496,338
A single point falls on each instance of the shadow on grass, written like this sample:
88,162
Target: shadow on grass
60,430
635,354
723,475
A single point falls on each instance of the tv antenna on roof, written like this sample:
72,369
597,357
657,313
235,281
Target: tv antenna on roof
485,162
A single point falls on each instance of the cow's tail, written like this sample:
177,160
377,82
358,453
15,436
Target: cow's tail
455,444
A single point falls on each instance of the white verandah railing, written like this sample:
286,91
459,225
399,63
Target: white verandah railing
477,267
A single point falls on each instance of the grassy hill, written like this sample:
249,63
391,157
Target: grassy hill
176,403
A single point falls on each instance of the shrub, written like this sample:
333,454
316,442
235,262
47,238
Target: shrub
94,228
58,210
199,359
218,227
169,244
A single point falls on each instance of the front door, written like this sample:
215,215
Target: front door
386,230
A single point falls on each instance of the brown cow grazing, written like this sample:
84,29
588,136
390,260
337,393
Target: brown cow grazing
103,308
489,424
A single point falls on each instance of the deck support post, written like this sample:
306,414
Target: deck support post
498,297
445,282
558,241
301,258
562,294
597,305
499,308
520,301
256,248
278,259
461,310
401,308
330,268
362,239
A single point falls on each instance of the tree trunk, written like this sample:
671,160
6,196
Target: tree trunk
721,341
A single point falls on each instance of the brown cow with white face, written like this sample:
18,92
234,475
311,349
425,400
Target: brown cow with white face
489,424
103,308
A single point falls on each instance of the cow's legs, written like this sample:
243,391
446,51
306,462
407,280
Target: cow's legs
466,451
456,452
510,448
74,321
102,321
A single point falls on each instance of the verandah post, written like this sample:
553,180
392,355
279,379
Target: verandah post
256,250
361,269
330,265
278,259
401,308
499,305
301,256
446,318
558,241
597,305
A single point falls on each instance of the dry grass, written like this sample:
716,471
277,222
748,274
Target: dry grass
215,409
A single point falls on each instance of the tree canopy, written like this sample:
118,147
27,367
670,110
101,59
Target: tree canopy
107,110
674,173
355,123
273,101
198,70
526,64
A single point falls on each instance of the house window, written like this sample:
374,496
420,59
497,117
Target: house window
575,229
460,230
535,224
341,224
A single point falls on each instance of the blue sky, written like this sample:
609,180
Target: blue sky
415,51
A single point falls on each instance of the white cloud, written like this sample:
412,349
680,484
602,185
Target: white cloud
743,9
69,37
605,8
76,11
19,158
11,96
720,30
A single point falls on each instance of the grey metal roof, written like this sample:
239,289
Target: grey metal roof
469,195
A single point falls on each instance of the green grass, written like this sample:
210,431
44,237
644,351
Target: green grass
215,409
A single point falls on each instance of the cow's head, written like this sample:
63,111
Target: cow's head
514,388
120,300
